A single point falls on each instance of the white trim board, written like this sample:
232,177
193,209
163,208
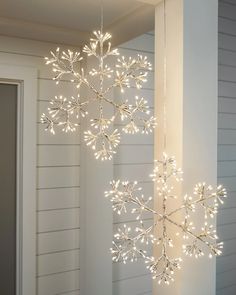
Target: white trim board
26,79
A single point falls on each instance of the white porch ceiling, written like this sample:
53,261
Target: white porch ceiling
71,21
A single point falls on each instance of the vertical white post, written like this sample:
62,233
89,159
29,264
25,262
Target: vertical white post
96,217
191,51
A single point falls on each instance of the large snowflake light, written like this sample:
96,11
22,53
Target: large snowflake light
128,245
65,112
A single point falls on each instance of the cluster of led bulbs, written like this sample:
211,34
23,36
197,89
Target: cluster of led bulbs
129,245
125,196
100,82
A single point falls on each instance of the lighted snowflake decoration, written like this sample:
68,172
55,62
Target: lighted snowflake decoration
65,112
128,245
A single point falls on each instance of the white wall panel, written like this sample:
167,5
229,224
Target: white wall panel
226,262
57,262
58,198
52,177
134,161
130,269
55,234
56,220
133,286
58,283
140,44
59,155
58,138
48,90
227,105
58,241
125,154
226,221
226,136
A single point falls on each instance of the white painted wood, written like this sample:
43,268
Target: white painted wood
57,262
225,263
143,154
61,219
132,286
123,271
227,105
226,41
229,247
26,78
134,161
31,61
226,169
227,291
53,151
229,182
58,283
226,153
95,216
226,232
58,241
230,202
148,94
226,72
139,172
226,136
227,89
138,139
227,57
226,217
58,138
133,52
60,155
48,90
227,121
29,47
72,293
145,43
52,177
225,279
58,198
226,10
191,114
227,26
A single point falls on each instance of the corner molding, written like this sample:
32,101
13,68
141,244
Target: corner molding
138,22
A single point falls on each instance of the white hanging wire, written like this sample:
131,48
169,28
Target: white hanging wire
165,80
102,15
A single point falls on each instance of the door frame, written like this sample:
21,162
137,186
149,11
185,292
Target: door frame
26,80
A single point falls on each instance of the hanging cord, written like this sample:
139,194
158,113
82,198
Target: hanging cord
165,83
101,4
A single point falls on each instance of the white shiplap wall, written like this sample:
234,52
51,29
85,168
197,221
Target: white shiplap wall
226,264
57,179
134,161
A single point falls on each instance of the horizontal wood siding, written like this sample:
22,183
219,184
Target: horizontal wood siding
226,221
58,182
134,161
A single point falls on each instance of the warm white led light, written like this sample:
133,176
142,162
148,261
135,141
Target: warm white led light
128,245
128,72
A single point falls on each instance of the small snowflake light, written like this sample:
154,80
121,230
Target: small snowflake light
129,72
128,245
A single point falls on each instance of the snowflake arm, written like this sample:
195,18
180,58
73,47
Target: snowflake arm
100,137
198,240
65,113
